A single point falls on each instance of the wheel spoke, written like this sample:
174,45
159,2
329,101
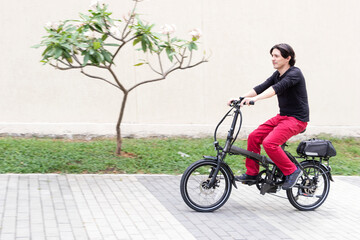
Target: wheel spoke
311,189
195,190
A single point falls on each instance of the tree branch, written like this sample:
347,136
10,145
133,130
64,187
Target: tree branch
128,22
117,51
144,82
190,58
160,63
120,86
75,67
172,67
194,65
76,59
170,70
119,48
60,68
153,69
127,34
66,64
99,78
182,57
177,59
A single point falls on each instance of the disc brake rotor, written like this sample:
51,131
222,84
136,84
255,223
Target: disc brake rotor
307,187
205,189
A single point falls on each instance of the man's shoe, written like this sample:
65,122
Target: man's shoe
246,179
291,180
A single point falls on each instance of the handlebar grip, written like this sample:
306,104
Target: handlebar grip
233,102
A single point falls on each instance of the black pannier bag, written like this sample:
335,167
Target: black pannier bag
316,148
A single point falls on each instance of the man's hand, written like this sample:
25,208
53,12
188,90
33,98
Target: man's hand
248,101
231,101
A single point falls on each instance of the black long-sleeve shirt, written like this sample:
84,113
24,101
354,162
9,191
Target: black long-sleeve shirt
290,89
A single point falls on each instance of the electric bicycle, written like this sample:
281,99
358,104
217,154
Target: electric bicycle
206,184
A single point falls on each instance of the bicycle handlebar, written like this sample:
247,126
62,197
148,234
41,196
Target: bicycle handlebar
237,102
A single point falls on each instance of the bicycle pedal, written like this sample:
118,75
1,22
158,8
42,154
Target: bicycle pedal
266,188
248,182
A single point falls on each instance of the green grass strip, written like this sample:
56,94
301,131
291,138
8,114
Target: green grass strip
150,156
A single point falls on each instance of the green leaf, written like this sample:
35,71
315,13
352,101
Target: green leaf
50,52
138,64
36,46
47,50
136,41
104,37
98,27
111,44
139,21
192,46
86,58
58,52
97,45
99,57
82,45
69,60
175,39
111,21
143,45
70,28
67,46
170,53
66,55
107,56
85,17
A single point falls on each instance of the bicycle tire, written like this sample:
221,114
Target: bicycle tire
194,191
311,192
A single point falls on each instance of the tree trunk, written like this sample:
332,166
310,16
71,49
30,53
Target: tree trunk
118,125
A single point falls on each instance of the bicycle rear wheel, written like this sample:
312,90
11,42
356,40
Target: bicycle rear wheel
311,191
195,192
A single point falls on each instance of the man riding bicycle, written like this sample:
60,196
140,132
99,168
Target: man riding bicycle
288,83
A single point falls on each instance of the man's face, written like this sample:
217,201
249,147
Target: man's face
278,61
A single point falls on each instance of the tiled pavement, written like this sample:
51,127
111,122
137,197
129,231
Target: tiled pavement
55,206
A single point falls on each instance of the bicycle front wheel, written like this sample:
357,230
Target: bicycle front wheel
311,191
194,186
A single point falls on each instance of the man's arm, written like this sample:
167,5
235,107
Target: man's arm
249,94
265,89
251,97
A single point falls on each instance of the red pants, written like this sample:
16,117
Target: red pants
272,134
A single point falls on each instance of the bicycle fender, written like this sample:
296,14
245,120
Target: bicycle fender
210,158
327,168
226,166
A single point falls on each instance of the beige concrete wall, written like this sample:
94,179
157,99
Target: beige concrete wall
325,35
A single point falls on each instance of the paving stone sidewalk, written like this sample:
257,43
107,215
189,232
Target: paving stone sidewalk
56,206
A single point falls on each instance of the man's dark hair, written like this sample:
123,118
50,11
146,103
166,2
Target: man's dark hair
286,50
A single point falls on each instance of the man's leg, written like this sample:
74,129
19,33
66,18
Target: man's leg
286,128
254,141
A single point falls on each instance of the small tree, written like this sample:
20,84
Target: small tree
79,44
